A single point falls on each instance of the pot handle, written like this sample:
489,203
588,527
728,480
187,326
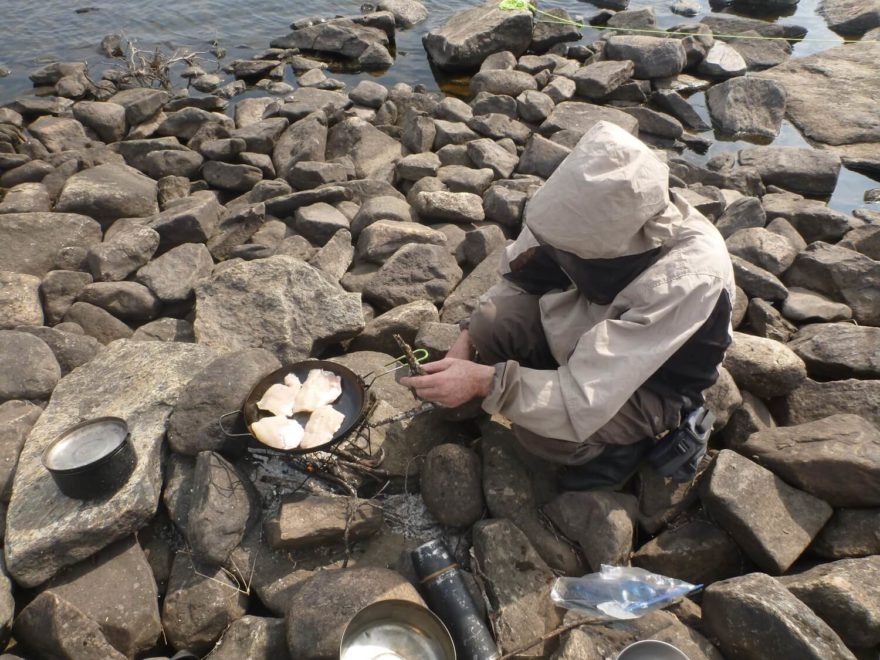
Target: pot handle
421,354
226,432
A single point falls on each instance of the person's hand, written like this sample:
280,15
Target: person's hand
452,382
462,348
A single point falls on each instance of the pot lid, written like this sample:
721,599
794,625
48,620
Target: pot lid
85,443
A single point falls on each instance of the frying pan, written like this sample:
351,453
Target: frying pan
354,402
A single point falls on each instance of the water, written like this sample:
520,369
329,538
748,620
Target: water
34,33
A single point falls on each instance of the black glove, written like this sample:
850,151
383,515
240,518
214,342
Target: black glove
679,454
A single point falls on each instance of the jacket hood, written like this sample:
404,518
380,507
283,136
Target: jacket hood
609,198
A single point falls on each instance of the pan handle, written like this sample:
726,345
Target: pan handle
224,430
421,354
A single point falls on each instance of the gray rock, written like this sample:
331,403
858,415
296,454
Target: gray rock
502,81
188,123
754,617
722,398
70,349
279,303
189,220
744,107
172,162
652,57
468,37
108,192
319,222
741,303
380,208
850,17
30,242
20,300
125,300
499,126
518,582
581,117
485,103
31,370
16,420
59,133
140,103
307,100
414,272
323,604
771,521
460,179
165,329
760,54
486,153
373,152
602,524
763,248
52,627
173,276
452,132
849,533
463,300
125,252
534,106
442,206
558,27
235,229
835,351
222,505
633,18
833,458
843,275
756,281
407,13
599,79
437,338
480,243
766,321
451,485
763,366
804,306
319,520
255,637
383,238
234,177
784,228
306,174
200,604
504,205
115,589
260,136
674,104
722,61
811,218
46,531
812,401
697,552
303,140
417,166
33,171
541,157
97,322
349,39
59,290
752,416
501,468
418,133
656,123
404,320
801,170
218,388
454,109
27,198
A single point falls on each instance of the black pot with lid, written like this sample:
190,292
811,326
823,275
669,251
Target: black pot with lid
92,459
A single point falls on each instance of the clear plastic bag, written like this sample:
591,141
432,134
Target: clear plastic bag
619,592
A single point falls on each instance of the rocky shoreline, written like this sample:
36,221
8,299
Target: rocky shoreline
161,252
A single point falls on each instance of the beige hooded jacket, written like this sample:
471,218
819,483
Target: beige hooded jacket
608,199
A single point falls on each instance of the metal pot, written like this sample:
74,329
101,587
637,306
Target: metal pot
396,630
91,459
651,649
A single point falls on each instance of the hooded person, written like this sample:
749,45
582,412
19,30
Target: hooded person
610,320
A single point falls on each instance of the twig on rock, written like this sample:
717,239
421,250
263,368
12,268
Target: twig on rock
550,635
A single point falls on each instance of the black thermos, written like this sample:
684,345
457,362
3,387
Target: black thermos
449,598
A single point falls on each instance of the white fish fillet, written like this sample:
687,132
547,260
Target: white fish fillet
322,424
320,389
292,382
279,400
279,432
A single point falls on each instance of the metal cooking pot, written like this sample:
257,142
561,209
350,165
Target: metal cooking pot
91,459
396,630
651,649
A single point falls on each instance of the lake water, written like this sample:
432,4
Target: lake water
34,32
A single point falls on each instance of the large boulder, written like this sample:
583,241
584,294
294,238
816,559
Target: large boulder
414,272
345,39
108,192
173,276
744,107
849,533
115,589
763,366
218,388
845,595
851,17
771,521
30,369
842,274
834,351
801,170
187,220
322,606
137,381
468,37
754,617
30,242
652,57
303,140
836,459
580,117
813,400
279,303
373,153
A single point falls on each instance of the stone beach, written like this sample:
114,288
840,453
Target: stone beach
163,249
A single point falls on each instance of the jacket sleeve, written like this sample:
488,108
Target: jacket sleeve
610,361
